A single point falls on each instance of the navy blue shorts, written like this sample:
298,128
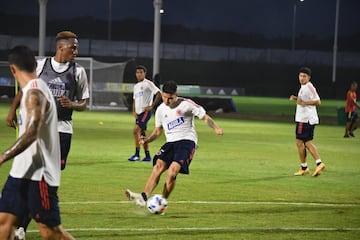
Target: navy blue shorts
351,116
65,143
304,131
23,196
181,152
142,120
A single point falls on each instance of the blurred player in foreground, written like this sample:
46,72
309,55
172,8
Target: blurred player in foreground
306,118
35,173
352,120
68,83
175,116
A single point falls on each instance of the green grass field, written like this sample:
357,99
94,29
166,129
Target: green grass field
241,184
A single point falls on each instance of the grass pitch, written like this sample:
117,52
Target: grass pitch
241,185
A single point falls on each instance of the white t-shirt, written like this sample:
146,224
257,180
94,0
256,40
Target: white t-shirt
42,157
143,95
178,123
82,91
307,113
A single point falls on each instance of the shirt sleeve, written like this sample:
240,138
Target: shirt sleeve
82,91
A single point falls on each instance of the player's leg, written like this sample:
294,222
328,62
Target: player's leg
56,232
136,134
170,182
354,124
153,180
142,123
65,143
43,205
7,225
184,151
301,135
12,205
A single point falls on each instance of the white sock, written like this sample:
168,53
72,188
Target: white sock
303,165
318,161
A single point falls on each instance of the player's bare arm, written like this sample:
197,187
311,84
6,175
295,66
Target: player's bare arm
154,135
311,103
11,119
211,123
156,102
36,105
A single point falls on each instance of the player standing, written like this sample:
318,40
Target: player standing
143,104
352,120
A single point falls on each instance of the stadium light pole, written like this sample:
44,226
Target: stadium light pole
109,20
42,27
157,27
294,25
335,41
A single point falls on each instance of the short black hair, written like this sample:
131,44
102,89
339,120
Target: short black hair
305,70
169,87
22,57
142,67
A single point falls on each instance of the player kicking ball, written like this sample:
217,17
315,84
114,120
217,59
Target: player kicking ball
175,116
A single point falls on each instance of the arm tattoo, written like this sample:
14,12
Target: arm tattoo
210,122
151,138
35,104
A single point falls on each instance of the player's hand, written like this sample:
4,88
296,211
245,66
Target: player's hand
293,98
219,131
142,140
65,102
11,120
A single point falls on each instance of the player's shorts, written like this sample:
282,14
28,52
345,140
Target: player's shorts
304,131
21,196
65,143
142,120
351,116
181,152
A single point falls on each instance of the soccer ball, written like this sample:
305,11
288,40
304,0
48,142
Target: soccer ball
157,204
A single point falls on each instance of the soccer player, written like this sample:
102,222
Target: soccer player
35,173
68,83
175,116
352,121
306,118
143,104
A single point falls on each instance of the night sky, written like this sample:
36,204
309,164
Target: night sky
267,17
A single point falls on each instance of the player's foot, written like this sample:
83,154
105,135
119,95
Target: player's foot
302,172
351,134
347,136
136,197
318,169
134,158
20,234
146,159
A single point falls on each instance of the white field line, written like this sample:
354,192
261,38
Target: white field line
203,229
214,228
222,203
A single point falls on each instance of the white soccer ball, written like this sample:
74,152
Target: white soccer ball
157,204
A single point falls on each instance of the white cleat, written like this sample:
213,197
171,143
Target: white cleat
137,197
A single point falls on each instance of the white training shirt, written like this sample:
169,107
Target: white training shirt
42,157
178,123
143,95
82,91
307,113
